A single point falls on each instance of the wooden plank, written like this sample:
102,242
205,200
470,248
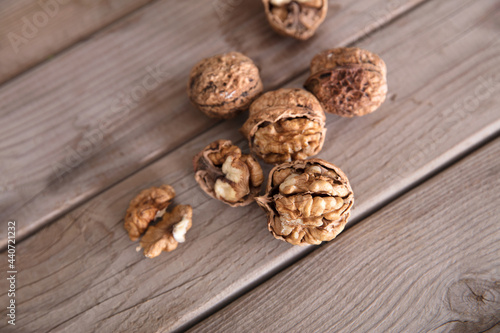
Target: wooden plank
33,31
82,270
113,104
428,262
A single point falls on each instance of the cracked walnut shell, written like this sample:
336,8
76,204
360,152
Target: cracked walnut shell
307,202
226,174
348,81
285,125
223,85
169,232
145,207
296,18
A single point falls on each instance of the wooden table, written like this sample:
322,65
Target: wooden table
81,135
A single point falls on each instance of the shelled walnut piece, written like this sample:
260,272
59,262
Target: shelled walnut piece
348,81
223,85
145,207
296,18
226,174
169,232
307,202
285,125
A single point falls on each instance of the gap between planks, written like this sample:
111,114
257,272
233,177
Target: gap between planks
48,199
83,266
29,59
284,267
344,273
295,77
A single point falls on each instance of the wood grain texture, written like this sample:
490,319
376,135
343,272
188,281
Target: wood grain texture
81,272
106,108
428,262
33,31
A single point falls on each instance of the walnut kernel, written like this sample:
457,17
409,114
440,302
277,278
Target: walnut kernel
285,125
307,202
145,207
223,85
296,18
169,232
348,81
226,174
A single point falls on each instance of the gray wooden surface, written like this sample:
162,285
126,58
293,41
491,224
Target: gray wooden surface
34,31
85,120
428,262
80,272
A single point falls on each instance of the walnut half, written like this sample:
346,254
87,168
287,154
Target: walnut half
145,207
296,18
226,174
285,125
348,81
307,202
169,232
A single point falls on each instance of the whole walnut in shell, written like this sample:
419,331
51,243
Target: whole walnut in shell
307,202
223,85
285,125
296,18
224,173
348,81
145,207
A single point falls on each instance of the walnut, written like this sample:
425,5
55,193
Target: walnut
169,232
226,174
348,81
285,125
296,18
307,202
145,207
223,85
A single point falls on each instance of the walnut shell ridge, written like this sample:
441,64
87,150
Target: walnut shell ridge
224,85
279,107
348,81
307,202
298,18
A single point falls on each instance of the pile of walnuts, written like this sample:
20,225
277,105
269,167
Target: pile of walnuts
307,201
